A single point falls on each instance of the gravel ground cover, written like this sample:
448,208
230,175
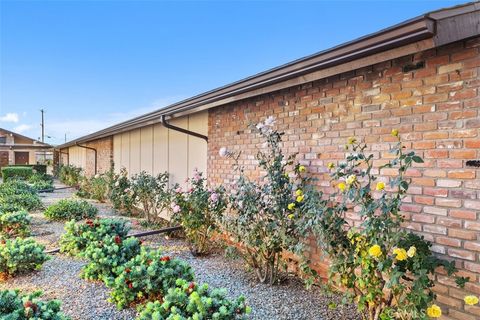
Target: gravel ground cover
59,279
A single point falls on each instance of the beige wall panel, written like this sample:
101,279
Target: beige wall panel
125,153
197,148
117,151
146,149
77,156
178,152
160,149
135,149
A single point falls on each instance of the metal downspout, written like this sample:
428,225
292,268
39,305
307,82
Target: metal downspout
191,133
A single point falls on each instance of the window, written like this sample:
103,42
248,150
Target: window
3,140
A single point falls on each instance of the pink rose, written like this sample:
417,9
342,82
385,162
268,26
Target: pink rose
214,197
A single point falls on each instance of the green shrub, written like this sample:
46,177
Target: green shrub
25,201
16,187
191,301
95,188
41,182
17,306
21,255
20,195
67,209
14,224
23,173
69,174
78,235
148,276
198,211
106,255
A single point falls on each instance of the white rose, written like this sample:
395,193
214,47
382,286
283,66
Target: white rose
223,152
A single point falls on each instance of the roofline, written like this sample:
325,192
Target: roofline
408,32
25,137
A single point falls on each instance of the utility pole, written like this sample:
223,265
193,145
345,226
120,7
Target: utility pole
65,137
43,125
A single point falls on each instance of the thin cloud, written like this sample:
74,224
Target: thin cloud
22,128
10,117
57,128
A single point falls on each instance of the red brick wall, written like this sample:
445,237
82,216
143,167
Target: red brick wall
436,110
104,148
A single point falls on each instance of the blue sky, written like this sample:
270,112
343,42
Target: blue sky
91,64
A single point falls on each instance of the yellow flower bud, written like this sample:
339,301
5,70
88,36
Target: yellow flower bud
298,192
380,186
375,251
300,198
434,311
342,186
291,206
471,300
411,251
291,216
352,140
302,169
395,132
351,179
330,165
400,254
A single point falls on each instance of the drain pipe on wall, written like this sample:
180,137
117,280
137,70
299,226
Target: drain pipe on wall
191,133
90,148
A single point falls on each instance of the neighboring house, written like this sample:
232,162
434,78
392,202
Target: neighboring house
16,149
420,76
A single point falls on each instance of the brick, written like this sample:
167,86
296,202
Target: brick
462,234
463,214
435,229
445,202
469,204
461,254
472,245
447,241
448,183
450,67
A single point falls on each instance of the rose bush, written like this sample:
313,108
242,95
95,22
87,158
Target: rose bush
120,193
151,193
20,255
385,269
69,174
189,300
20,195
78,235
273,214
17,306
67,209
147,277
95,187
198,211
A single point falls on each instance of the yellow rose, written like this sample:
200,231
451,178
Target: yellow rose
351,179
411,251
434,311
330,165
301,169
291,216
375,251
291,206
395,132
342,186
300,198
352,140
400,254
471,300
298,192
380,186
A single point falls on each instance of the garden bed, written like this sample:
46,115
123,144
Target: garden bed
59,279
